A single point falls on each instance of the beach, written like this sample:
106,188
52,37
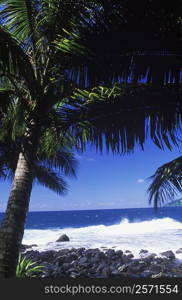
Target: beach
106,243
106,263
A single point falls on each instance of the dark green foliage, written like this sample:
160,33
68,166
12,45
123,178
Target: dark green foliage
166,182
51,50
27,268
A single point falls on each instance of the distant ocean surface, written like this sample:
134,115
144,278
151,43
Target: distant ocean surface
127,229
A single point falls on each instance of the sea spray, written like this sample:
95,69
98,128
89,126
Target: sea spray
155,235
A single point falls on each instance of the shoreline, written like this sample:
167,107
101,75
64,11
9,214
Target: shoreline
110,263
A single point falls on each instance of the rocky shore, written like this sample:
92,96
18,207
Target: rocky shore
95,263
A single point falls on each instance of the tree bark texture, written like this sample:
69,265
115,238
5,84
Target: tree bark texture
12,226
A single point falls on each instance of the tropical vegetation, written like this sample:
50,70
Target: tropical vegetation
75,71
27,268
166,182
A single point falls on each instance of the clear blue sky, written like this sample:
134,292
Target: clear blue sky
103,181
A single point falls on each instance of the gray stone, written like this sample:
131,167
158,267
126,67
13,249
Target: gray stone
80,251
115,273
65,266
127,258
137,269
74,274
159,275
101,267
123,268
82,260
72,270
63,238
47,255
142,251
110,253
24,247
156,268
146,274
151,256
106,272
97,257
179,250
71,257
88,253
169,254
119,253
127,251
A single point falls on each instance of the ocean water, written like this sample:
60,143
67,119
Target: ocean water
125,229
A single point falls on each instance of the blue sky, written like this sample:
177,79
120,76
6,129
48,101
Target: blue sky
103,181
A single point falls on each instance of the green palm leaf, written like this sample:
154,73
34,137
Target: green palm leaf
64,161
15,61
19,15
50,179
122,116
166,182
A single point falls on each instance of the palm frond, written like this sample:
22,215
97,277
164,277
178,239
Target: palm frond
6,99
123,116
50,179
166,182
14,60
19,17
64,161
129,44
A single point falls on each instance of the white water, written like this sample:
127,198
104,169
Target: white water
155,236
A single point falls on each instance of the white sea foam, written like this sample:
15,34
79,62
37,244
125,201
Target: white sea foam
156,235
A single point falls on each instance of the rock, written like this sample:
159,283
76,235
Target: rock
82,260
74,274
179,250
94,263
88,253
80,251
63,238
123,268
98,257
142,251
148,259
146,274
159,275
155,268
101,266
168,254
61,259
137,269
47,255
65,266
110,253
106,272
71,257
24,247
127,258
33,255
119,253
127,251
151,256
115,273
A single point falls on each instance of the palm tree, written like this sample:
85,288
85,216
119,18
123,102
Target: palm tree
48,171
49,52
52,161
166,182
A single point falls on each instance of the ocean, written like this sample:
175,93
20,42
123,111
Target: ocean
126,229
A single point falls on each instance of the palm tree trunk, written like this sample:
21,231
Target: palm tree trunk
12,226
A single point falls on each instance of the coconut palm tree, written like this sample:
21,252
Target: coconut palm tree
51,55
51,163
48,171
166,182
